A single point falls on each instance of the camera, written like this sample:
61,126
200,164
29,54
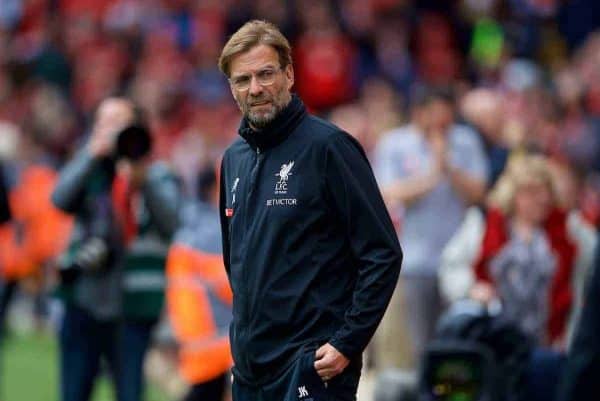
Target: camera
459,372
92,256
133,143
475,356
101,240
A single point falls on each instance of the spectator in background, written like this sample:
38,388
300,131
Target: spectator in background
430,171
384,108
392,53
579,139
353,119
525,251
377,111
324,58
437,56
112,273
198,294
482,108
529,255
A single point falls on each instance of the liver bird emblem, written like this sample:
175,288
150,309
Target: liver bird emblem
285,171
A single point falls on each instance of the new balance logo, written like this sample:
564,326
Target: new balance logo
302,392
235,184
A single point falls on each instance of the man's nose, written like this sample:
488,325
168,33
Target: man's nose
255,87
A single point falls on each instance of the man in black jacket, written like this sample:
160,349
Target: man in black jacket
310,250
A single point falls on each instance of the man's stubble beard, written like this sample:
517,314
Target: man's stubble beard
259,120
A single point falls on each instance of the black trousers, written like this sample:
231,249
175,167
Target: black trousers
300,382
85,342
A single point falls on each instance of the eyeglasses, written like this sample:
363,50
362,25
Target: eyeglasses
264,77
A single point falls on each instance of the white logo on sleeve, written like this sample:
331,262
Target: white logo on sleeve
229,210
235,184
284,175
302,392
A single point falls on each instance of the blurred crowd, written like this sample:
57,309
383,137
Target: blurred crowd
531,67
512,78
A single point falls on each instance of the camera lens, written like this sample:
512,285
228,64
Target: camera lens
133,143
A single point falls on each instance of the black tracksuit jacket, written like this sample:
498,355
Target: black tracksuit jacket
310,250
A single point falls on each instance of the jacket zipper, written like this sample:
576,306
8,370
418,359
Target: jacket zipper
246,310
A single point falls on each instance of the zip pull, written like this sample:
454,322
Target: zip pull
257,150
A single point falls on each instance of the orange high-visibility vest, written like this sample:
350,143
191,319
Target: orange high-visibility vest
39,231
198,295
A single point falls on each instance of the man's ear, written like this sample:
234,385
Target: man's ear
289,76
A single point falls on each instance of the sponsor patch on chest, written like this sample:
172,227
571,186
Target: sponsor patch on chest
282,202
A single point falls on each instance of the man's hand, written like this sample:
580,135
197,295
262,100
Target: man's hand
482,292
329,362
439,148
102,143
112,116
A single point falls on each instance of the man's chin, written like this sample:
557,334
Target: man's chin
261,120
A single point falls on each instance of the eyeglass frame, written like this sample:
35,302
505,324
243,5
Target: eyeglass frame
275,70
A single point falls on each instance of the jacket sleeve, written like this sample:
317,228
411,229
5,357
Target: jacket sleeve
369,231
163,196
223,217
70,188
456,275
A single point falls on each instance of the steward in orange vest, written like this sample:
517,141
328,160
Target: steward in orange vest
38,231
32,231
199,297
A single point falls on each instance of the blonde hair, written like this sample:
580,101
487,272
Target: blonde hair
521,170
251,34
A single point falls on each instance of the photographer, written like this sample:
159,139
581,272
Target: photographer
112,274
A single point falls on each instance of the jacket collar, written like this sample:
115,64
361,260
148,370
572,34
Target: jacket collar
278,130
